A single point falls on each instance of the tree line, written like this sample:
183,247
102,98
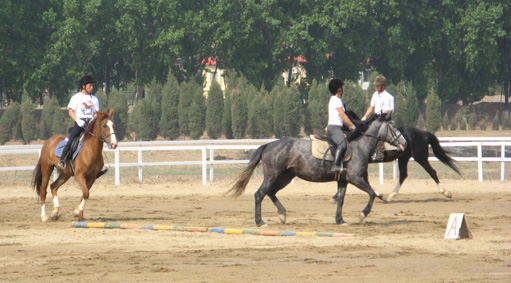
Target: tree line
457,48
176,110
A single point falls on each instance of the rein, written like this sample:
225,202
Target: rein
103,139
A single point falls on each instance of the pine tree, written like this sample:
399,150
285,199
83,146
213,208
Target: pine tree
445,121
10,123
141,121
433,117
214,111
60,123
239,114
185,100
118,102
227,117
354,98
317,106
28,119
169,122
197,116
45,126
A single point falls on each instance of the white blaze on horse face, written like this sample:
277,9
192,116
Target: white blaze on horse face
113,138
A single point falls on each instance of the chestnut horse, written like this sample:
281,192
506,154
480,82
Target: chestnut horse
87,164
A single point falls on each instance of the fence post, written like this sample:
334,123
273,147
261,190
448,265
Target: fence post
503,164
117,168
140,170
480,161
204,167
211,166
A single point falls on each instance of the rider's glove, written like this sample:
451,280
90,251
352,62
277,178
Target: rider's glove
364,118
352,128
81,123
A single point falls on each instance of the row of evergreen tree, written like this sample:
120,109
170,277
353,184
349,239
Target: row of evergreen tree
178,110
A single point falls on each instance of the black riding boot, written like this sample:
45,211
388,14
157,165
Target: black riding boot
63,156
339,153
378,152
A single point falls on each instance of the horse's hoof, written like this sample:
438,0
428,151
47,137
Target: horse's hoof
55,214
262,225
362,216
391,197
77,212
343,223
448,194
45,218
282,218
333,200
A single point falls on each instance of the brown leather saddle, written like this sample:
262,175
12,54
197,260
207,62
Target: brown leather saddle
321,147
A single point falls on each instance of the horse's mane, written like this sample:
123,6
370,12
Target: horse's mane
361,126
90,126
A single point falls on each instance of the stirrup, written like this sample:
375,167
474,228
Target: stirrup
377,157
61,166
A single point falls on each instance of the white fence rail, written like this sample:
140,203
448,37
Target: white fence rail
211,145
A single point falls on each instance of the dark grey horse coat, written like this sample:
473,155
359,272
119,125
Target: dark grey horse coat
284,159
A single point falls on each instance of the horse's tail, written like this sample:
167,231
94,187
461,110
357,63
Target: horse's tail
37,178
241,182
440,153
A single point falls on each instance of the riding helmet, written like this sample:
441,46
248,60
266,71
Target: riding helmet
380,80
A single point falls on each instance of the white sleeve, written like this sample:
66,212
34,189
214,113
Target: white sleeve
373,100
391,106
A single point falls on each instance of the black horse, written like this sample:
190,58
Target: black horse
418,147
284,159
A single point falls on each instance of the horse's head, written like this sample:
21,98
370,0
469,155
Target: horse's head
105,129
388,132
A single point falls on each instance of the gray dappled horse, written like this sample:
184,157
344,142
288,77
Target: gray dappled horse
284,159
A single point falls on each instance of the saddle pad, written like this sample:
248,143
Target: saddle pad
62,144
319,147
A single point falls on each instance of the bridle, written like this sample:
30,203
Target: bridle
395,136
102,139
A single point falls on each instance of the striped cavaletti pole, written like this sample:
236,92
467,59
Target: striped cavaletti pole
229,231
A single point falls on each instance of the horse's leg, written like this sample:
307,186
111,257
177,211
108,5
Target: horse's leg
54,188
425,164
364,186
85,185
259,195
46,174
403,174
341,192
281,182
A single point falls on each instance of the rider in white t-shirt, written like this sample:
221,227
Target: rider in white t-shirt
336,119
382,103
82,108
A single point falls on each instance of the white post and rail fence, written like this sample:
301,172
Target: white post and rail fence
497,144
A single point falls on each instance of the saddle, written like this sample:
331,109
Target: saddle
73,150
322,147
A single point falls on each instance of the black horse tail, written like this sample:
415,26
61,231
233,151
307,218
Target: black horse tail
241,182
37,178
440,153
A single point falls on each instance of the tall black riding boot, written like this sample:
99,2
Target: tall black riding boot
339,153
378,152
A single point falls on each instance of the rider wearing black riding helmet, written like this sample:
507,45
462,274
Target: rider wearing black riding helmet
82,108
336,119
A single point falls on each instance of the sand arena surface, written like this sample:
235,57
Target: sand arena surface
401,241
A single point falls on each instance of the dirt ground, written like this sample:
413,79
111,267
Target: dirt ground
401,241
